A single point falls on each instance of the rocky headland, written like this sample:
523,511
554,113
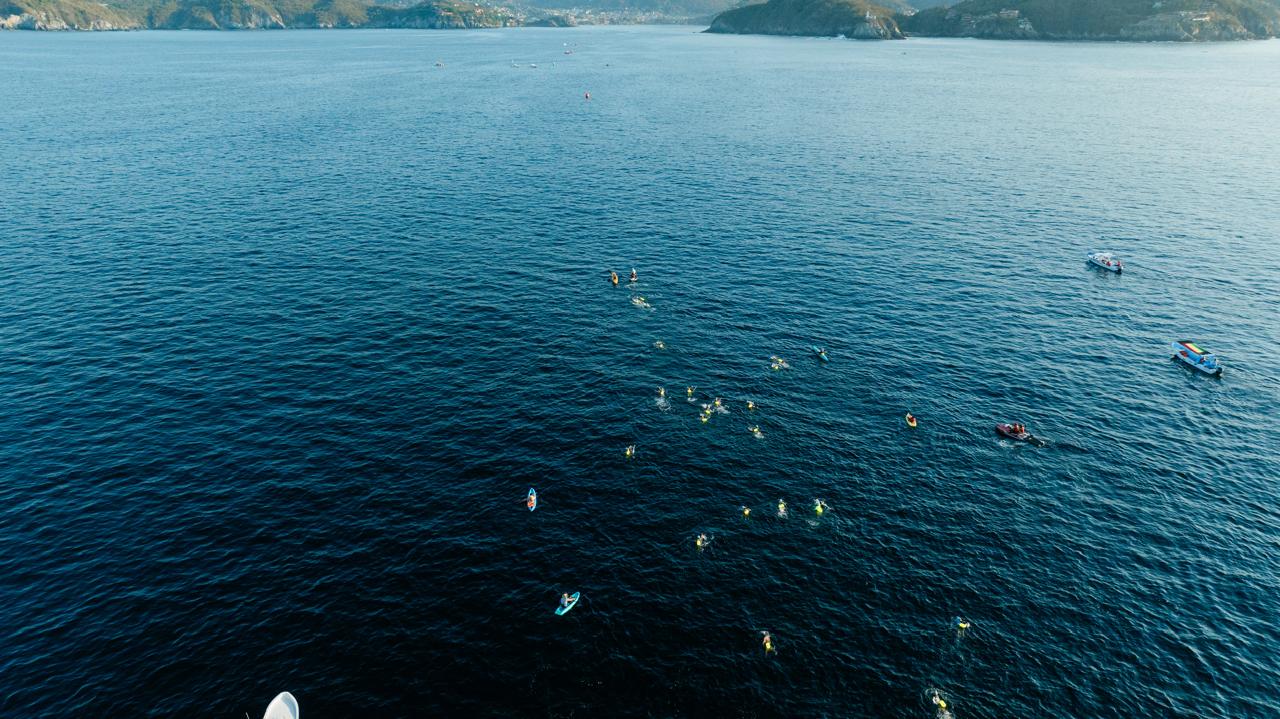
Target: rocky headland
1131,20
823,18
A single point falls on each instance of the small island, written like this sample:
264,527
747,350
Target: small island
821,18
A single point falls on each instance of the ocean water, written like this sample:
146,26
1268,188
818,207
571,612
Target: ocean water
291,321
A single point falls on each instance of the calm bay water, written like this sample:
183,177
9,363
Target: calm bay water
289,323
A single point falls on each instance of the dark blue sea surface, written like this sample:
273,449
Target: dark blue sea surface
290,322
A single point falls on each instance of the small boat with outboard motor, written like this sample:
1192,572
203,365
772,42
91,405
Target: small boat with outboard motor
1206,362
1106,261
1018,433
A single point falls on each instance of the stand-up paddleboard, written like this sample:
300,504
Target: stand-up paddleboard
284,706
822,354
532,501
573,602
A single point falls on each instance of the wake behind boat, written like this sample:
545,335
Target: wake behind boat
1106,261
1199,359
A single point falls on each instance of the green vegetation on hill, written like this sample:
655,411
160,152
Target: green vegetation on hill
64,15
1101,19
246,14
850,18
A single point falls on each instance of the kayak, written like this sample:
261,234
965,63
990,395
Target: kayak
1106,262
822,354
1206,362
532,501
573,602
1006,430
284,706
911,420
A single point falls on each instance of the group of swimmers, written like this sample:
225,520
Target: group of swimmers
703,540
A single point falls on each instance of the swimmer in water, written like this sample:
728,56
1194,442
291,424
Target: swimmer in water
751,406
660,344
702,541
746,511
688,392
755,432
633,274
819,506
613,277
782,508
662,391
717,402
767,642
941,703
631,451
961,625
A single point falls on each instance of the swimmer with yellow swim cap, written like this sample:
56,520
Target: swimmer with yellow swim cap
746,511
702,541
662,391
961,625
819,506
941,703
782,508
767,642
631,451
751,406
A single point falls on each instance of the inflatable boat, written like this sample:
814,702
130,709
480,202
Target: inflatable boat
1007,431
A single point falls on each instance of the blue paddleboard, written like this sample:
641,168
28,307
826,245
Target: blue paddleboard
573,602
532,501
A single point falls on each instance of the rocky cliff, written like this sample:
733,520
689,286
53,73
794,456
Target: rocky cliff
63,15
829,18
1137,20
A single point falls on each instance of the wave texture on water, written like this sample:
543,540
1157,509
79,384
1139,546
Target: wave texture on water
292,321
